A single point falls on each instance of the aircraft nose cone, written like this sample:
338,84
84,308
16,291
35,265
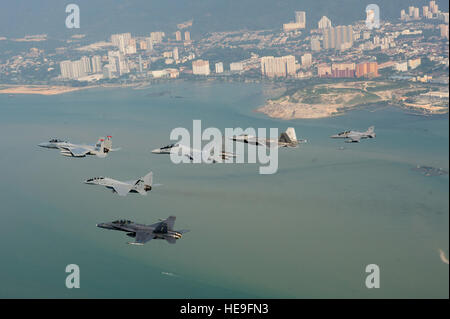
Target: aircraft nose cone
42,145
156,151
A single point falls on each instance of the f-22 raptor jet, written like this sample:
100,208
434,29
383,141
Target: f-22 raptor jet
192,154
286,139
100,149
141,185
144,233
355,136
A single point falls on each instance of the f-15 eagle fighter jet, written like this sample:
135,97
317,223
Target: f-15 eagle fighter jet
141,185
100,149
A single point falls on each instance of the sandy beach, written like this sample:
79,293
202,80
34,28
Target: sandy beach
38,89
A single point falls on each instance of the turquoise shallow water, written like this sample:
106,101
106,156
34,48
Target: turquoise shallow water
306,232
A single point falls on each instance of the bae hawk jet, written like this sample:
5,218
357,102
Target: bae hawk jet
355,136
144,233
100,149
141,185
286,139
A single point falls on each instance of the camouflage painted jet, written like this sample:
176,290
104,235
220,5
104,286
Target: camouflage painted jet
141,185
100,149
286,139
355,136
144,233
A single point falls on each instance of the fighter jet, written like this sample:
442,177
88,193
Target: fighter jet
144,233
192,153
355,136
286,139
100,149
141,185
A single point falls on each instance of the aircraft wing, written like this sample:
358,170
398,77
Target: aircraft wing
353,138
122,189
75,151
170,222
143,237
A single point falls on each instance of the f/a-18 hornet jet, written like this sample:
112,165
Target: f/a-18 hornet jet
286,139
141,185
355,136
192,153
100,149
144,233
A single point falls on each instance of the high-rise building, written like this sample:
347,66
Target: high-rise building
343,70
411,11
403,15
200,67
278,66
187,36
219,67
443,28
367,69
157,37
175,54
315,44
300,18
416,14
324,23
149,44
118,62
75,69
96,62
434,8
236,66
306,60
178,35
425,11
140,63
339,38
121,41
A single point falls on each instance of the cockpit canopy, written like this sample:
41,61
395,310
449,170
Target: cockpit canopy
169,146
56,140
94,179
343,133
122,222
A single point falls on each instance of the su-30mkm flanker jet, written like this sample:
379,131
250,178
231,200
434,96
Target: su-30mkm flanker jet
141,185
100,149
286,139
355,136
144,233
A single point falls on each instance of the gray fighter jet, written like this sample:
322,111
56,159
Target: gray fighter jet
144,233
192,153
286,139
142,185
355,136
100,149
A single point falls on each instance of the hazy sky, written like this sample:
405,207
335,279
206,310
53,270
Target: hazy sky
100,18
